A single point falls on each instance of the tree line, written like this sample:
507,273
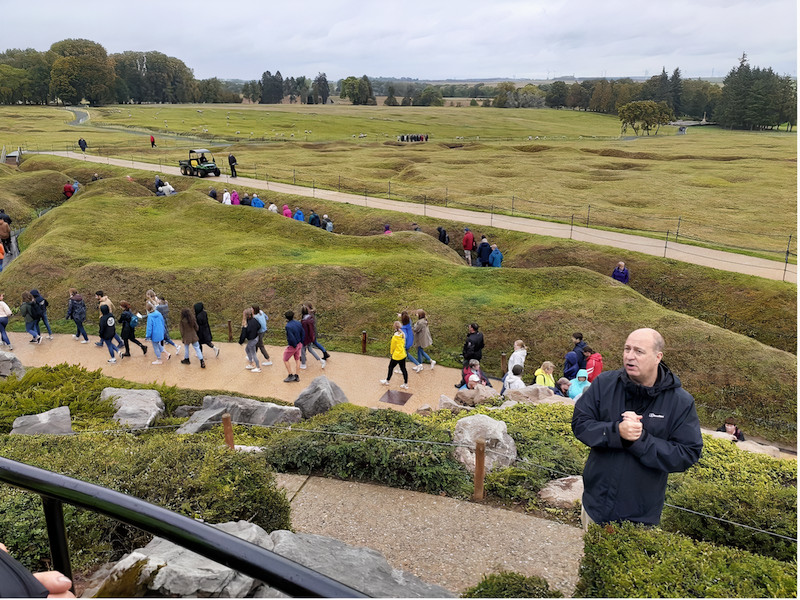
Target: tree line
73,70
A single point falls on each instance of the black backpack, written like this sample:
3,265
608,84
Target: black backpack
36,310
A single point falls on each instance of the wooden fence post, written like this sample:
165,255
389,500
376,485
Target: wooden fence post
230,331
503,363
364,342
227,428
480,469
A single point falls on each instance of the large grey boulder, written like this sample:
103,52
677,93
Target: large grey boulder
136,409
501,451
10,364
162,568
56,421
363,569
480,394
563,493
242,410
537,394
320,396
447,403
166,569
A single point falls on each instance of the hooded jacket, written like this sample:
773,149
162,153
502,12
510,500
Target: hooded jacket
571,364
107,323
576,387
542,378
484,251
473,346
442,234
294,333
397,347
76,309
287,212
579,352
299,216
620,275
626,481
422,333
309,324
155,327
408,331
496,258
41,301
594,366
203,328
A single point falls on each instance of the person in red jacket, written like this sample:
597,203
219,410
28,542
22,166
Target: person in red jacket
468,243
594,363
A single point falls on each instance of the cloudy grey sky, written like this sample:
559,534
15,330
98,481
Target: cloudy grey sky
424,39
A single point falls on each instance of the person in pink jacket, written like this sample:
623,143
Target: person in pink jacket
235,197
287,212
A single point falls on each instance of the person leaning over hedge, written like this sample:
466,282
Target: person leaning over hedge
640,425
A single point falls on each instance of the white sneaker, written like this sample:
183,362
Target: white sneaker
418,368
248,366
76,337
433,364
177,348
156,362
216,351
112,360
303,366
266,363
384,382
404,386
397,371
255,370
49,337
322,363
10,347
84,341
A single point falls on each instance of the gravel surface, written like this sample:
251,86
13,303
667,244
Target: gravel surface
443,541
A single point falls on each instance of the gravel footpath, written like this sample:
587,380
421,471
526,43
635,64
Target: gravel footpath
443,541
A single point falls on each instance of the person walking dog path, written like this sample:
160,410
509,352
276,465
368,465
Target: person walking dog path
726,261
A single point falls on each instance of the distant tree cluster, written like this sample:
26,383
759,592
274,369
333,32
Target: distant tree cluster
757,99
645,115
73,70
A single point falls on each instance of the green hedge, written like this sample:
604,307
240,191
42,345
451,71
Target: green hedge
631,561
743,487
191,475
507,584
428,468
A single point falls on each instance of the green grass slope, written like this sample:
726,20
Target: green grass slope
190,249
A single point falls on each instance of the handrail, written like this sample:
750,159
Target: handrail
256,562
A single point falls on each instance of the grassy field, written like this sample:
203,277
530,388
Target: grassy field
722,188
116,236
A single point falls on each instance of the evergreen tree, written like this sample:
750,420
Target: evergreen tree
676,91
322,87
390,99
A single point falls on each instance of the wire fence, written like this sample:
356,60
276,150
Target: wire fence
400,440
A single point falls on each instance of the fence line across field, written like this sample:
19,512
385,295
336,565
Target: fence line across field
226,422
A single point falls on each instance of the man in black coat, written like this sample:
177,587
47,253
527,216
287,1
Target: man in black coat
232,163
641,425
473,348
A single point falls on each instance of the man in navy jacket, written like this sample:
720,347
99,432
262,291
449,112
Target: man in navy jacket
640,425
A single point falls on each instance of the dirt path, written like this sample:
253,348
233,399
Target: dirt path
726,261
358,375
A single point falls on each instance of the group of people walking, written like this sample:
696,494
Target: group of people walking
404,337
487,255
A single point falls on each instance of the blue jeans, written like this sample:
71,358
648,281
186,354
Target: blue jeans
196,346
111,347
421,354
157,348
3,334
81,331
320,346
30,327
411,357
167,339
47,324
303,354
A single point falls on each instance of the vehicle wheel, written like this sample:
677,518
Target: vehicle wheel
190,171
216,172
183,170
202,173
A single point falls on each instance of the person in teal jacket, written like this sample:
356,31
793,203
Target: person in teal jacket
579,385
496,257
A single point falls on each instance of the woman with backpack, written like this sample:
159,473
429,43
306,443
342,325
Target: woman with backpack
129,323
27,309
42,305
76,310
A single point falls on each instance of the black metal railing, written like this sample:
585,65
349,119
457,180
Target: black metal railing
256,562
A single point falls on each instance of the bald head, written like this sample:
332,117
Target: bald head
643,351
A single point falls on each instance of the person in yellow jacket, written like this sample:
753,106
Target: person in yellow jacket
544,375
397,350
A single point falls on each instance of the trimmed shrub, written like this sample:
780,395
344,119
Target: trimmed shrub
423,467
628,561
507,584
191,475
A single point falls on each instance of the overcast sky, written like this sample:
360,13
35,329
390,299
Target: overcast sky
424,39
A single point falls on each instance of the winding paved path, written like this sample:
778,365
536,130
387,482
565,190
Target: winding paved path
726,261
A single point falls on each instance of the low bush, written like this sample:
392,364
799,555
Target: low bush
632,561
743,487
191,475
507,584
424,467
